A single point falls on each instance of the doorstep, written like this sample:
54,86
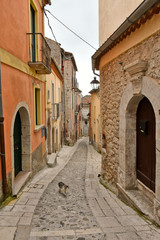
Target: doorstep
20,180
137,199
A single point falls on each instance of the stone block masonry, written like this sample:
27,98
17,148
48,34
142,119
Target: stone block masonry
113,84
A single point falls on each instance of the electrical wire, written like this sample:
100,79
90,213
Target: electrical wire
69,29
50,26
67,58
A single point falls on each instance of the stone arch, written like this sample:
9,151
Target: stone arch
127,132
24,112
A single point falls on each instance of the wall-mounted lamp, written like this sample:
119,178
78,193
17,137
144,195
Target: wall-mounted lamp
94,83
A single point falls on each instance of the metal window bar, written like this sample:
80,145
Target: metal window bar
39,50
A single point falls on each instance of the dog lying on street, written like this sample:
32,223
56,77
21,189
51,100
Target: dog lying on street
62,188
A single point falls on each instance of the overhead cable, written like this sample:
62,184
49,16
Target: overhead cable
50,26
69,29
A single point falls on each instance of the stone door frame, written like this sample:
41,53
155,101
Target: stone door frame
24,112
137,88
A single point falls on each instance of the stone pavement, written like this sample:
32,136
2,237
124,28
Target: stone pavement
88,212
15,219
117,220
70,217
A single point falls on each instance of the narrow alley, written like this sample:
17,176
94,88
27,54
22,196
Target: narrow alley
89,211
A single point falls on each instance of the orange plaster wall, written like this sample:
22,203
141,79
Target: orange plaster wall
19,87
14,25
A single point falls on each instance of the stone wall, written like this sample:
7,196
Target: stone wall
113,83
39,159
55,51
68,97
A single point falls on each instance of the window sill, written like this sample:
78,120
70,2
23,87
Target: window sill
38,127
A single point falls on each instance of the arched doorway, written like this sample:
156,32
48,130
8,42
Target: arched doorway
20,146
17,145
127,169
146,150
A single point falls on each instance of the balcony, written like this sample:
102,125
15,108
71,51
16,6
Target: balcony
40,53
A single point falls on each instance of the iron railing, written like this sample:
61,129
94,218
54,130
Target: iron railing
40,53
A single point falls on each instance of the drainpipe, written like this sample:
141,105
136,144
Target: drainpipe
64,97
95,73
2,145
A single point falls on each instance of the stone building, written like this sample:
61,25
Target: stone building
56,52
86,100
70,100
70,93
77,112
129,62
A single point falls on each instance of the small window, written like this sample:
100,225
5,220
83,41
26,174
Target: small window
59,94
53,105
37,107
48,95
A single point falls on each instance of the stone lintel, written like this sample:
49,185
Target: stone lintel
136,67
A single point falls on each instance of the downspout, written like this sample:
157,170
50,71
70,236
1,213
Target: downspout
95,73
64,99
2,144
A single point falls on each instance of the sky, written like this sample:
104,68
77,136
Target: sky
82,17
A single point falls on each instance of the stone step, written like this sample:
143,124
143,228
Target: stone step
52,160
137,199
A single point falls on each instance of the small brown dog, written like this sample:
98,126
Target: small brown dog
62,188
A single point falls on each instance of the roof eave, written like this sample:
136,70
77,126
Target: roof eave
133,18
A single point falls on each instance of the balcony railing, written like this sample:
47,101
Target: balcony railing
56,110
40,53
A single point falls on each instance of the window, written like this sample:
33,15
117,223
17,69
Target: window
59,94
72,100
32,22
72,79
53,106
37,106
48,96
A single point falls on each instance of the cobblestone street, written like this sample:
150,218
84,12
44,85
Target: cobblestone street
56,212
89,211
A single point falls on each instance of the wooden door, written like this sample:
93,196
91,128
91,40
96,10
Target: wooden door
17,145
146,156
